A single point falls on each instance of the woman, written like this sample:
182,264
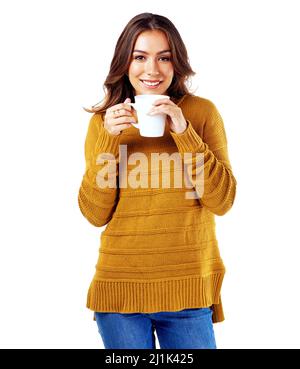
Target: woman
159,265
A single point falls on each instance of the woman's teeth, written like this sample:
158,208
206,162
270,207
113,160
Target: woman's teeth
151,84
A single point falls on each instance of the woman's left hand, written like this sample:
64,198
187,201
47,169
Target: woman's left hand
175,117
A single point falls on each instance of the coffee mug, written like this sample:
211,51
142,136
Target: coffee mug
149,125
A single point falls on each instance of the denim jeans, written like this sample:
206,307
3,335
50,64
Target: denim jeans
184,329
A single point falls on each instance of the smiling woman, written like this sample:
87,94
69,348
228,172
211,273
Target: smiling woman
153,70
152,51
159,264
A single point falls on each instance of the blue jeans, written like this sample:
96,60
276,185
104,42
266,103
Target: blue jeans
184,329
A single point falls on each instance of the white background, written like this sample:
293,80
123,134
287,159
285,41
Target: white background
55,56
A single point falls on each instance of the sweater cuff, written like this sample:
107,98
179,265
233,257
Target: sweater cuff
107,143
189,140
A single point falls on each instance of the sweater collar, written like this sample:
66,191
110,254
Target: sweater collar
181,100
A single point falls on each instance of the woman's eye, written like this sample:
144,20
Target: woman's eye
141,56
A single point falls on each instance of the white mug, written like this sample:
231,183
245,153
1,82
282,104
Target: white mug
149,125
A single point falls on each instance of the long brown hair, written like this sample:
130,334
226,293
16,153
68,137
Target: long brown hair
117,86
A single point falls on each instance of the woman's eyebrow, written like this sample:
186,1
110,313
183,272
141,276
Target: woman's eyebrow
145,52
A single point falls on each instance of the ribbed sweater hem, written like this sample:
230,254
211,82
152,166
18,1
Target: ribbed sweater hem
122,296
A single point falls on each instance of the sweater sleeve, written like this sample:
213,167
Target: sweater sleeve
218,189
96,201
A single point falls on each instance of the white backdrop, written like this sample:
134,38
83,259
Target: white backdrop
55,56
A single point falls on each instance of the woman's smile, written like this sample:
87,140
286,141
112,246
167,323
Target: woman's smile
151,85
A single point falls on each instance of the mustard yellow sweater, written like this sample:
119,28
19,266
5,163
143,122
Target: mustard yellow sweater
159,250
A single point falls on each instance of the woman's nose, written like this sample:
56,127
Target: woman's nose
151,67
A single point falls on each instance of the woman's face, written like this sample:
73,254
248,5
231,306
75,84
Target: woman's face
152,63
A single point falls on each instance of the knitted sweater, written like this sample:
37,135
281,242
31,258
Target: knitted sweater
159,250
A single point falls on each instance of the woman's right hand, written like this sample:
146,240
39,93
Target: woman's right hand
119,117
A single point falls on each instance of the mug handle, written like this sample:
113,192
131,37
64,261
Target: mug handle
134,124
